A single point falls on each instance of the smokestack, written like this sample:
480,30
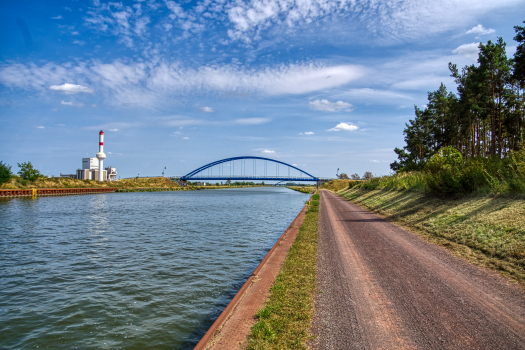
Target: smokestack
100,155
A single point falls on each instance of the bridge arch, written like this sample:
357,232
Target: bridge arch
192,175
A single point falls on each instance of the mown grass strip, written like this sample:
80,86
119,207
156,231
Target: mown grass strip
285,320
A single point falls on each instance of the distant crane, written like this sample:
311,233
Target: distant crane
163,171
337,174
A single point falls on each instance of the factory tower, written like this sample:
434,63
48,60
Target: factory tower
101,156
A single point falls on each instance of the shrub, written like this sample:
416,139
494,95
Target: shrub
27,172
446,158
5,173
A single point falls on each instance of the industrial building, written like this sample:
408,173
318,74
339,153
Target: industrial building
89,170
91,166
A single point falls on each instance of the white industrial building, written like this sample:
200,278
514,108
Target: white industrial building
91,166
89,170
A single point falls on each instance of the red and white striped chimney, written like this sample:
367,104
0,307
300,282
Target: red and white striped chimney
100,155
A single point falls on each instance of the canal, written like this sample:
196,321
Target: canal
130,270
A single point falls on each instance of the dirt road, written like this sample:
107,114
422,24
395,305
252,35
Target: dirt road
381,287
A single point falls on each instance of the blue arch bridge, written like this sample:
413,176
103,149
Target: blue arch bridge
248,168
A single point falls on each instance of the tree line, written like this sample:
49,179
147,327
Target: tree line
485,118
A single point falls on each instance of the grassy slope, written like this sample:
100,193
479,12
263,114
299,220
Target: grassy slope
285,320
128,184
151,182
487,230
304,189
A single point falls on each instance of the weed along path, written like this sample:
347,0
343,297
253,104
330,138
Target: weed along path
382,287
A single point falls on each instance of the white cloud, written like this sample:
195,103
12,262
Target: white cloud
185,138
79,42
57,17
252,121
309,133
344,126
267,151
374,161
72,103
469,51
480,30
125,22
206,109
113,129
71,89
325,105
152,82
379,96
39,127
386,20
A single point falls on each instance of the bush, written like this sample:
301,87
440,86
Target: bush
446,158
27,172
5,173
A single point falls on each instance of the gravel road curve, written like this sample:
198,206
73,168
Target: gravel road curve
382,287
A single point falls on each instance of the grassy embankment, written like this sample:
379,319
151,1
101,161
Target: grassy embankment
304,189
285,320
487,229
140,183
123,185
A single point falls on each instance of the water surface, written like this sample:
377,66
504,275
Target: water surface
130,270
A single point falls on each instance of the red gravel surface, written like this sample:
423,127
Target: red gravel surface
382,287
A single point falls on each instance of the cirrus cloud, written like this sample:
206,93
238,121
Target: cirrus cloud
252,121
72,103
151,82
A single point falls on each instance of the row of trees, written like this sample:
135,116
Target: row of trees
485,118
366,176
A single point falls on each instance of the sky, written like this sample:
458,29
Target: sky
320,84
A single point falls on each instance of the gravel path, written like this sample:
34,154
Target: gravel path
382,287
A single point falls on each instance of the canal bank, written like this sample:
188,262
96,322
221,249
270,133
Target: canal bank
280,289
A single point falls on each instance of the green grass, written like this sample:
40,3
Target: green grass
304,189
285,320
474,175
486,229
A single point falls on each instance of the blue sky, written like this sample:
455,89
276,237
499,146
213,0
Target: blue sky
320,84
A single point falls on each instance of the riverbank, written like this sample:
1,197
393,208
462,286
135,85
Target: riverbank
149,184
485,229
304,189
285,320
49,183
